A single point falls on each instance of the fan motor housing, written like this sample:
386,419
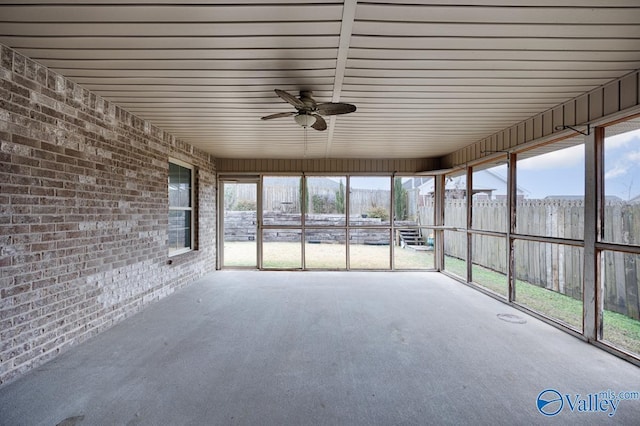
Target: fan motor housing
306,96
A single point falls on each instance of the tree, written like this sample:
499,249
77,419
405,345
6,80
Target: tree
304,195
230,195
340,198
321,204
400,199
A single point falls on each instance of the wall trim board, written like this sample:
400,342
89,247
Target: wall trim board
605,103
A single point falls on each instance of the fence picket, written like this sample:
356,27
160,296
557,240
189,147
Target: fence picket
553,266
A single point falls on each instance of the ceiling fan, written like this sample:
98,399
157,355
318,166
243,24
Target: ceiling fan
309,113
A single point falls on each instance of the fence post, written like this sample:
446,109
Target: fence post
632,305
469,224
439,182
511,227
592,294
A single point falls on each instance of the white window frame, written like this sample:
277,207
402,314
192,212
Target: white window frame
190,209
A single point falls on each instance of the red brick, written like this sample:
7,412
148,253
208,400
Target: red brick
25,141
6,58
14,229
44,155
14,311
53,148
14,189
28,277
42,228
42,191
86,190
12,291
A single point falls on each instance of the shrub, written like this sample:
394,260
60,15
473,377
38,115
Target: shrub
378,212
245,205
322,204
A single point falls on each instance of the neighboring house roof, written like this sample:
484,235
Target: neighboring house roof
499,178
324,183
317,182
564,197
579,197
484,181
417,182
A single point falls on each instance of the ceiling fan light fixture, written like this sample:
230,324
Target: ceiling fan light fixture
305,120
308,112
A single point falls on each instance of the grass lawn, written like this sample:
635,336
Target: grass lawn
240,253
619,330
284,255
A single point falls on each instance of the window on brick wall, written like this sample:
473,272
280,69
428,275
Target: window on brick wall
180,207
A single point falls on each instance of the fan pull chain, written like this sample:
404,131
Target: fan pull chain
304,155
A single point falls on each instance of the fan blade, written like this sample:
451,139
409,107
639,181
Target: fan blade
288,97
335,108
279,115
320,124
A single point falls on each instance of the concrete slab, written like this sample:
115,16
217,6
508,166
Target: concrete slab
334,348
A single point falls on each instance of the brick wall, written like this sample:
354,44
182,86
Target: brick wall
83,241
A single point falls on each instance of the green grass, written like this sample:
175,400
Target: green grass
455,266
285,255
326,256
240,254
407,258
619,330
550,303
492,280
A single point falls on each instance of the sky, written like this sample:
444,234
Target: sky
622,165
562,172
556,173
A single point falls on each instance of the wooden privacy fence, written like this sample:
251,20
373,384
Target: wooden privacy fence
286,198
556,267
241,226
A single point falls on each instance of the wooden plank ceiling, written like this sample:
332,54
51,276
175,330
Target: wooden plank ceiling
428,77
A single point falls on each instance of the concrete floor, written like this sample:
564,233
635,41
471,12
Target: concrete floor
334,348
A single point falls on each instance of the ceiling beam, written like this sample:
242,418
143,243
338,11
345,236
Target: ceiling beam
348,16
